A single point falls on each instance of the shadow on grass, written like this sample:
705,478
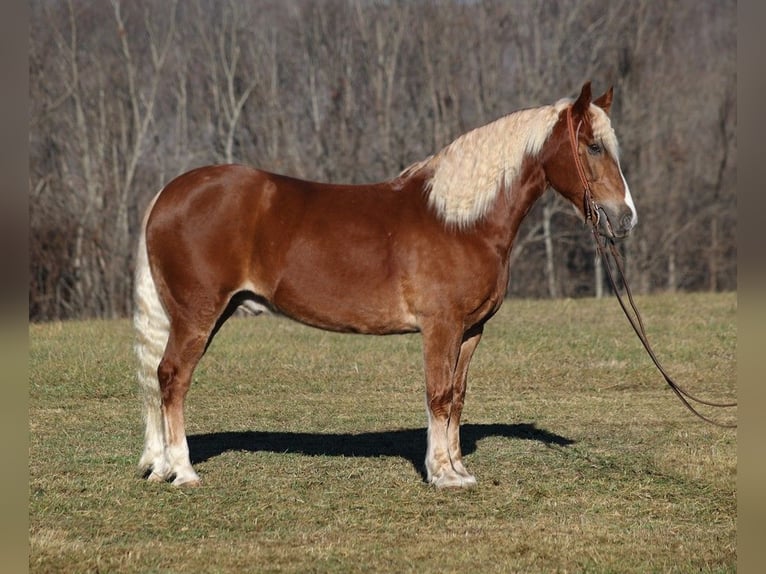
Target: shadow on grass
409,444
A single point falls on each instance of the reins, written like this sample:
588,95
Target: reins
589,209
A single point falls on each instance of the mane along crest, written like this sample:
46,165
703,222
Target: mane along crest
469,172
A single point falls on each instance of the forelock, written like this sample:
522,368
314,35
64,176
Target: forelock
603,131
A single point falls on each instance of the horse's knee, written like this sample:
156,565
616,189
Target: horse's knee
439,402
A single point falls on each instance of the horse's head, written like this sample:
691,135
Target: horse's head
581,162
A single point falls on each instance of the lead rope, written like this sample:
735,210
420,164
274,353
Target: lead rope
635,320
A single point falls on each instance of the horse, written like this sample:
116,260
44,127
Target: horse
427,251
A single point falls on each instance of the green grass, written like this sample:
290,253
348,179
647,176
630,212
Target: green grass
309,445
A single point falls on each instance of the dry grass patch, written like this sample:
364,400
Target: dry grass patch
309,445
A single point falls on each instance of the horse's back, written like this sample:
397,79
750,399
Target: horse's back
323,254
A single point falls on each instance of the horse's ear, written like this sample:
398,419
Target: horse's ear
582,102
605,101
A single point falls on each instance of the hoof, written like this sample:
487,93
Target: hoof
189,483
188,478
153,469
154,477
469,481
153,472
453,480
185,479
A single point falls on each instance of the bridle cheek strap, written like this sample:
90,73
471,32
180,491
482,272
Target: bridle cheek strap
587,199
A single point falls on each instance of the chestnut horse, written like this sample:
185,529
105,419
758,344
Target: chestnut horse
427,251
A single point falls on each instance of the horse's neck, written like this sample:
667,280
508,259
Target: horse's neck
512,204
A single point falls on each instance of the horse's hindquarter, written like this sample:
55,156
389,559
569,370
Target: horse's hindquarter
198,237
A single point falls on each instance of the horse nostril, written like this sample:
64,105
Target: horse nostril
626,222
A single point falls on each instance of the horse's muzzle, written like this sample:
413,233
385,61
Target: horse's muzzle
616,223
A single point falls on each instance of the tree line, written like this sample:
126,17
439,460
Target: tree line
126,95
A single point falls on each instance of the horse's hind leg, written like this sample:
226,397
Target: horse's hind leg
186,345
168,350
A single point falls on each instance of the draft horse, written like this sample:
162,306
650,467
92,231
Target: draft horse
427,251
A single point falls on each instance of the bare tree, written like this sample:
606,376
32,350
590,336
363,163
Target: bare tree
95,175
125,96
231,81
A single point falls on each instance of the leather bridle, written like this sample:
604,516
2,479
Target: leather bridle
590,207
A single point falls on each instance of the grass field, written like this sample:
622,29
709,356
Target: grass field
310,444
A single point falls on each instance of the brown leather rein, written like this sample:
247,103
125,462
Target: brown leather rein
592,215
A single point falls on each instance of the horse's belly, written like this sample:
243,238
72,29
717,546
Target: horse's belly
345,306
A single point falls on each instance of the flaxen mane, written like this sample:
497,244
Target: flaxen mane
469,172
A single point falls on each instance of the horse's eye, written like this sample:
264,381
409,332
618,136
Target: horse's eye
594,149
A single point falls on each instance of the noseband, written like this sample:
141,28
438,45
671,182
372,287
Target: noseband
589,208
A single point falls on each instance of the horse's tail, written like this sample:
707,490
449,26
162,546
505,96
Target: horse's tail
152,327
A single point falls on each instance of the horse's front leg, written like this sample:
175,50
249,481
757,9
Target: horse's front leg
441,348
470,342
